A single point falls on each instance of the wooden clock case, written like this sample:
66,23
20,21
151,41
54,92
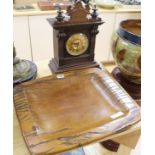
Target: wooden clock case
78,20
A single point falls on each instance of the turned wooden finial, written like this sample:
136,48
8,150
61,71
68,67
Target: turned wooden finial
94,14
60,16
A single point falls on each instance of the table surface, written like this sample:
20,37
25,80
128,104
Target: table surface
19,144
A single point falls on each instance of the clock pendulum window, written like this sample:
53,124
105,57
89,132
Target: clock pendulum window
74,36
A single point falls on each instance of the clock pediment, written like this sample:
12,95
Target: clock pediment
73,12
77,14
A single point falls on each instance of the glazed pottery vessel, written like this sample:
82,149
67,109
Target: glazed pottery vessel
126,49
23,70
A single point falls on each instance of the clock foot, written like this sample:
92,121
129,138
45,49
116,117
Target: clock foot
59,69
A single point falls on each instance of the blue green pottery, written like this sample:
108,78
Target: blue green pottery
23,70
126,49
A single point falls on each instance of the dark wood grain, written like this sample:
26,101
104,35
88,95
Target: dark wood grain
111,145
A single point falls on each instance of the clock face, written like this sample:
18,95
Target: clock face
77,44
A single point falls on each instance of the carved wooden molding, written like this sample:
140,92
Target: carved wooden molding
95,30
61,35
78,12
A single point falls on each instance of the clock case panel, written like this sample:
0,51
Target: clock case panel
62,60
78,20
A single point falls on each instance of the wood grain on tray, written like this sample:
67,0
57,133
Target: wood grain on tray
65,111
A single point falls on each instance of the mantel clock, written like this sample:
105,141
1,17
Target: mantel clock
74,37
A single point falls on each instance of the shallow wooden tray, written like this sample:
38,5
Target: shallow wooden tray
65,111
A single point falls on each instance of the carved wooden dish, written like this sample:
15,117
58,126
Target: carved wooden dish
65,111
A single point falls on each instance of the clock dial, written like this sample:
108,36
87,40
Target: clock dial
77,44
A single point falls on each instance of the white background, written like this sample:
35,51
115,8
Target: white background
6,76
148,77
